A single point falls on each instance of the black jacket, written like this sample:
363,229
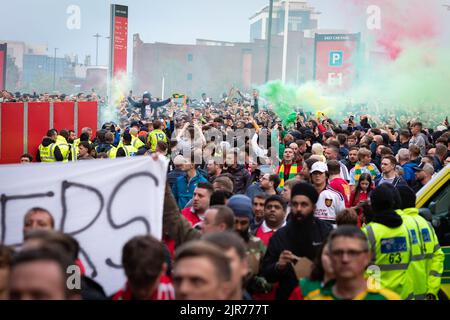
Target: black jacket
141,105
303,240
241,178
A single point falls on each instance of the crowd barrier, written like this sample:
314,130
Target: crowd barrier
24,124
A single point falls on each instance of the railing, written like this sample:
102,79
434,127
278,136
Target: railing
24,124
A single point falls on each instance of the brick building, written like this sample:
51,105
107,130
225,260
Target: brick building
214,66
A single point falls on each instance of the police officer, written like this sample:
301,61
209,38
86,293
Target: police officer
48,150
389,242
427,262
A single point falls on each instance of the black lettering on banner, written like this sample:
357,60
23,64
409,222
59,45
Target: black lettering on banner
64,187
4,199
141,219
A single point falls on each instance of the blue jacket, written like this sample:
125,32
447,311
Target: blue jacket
408,173
183,190
254,190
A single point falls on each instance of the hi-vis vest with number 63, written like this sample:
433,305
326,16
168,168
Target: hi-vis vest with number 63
391,253
47,153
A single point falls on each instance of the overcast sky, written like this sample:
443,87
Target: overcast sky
172,21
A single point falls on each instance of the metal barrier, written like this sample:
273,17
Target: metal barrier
24,124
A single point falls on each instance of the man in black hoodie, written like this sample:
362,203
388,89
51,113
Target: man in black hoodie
147,107
301,237
48,151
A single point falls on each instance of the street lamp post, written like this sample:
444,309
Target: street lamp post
54,70
285,40
96,48
269,40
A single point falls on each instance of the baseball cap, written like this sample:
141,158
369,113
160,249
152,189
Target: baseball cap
179,160
428,168
319,166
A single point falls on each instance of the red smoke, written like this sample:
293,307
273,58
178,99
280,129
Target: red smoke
403,21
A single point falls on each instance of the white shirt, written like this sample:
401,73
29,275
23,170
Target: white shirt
329,204
344,172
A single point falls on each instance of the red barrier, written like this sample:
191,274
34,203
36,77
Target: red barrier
63,115
11,132
38,119
87,116
38,124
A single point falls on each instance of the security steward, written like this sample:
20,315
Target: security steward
48,150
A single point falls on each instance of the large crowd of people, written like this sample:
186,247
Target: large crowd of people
6,96
254,207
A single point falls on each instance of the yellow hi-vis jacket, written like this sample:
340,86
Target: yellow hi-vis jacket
391,253
154,137
64,147
47,153
130,151
427,262
112,153
136,142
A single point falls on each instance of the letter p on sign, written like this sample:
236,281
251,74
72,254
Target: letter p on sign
336,58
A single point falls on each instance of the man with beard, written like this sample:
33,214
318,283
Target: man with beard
301,237
258,210
243,213
200,203
351,159
424,173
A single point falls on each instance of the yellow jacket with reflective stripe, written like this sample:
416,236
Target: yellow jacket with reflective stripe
130,151
391,253
47,153
427,267
155,136
112,153
74,149
137,143
64,147
73,152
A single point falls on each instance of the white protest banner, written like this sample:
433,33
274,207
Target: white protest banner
102,203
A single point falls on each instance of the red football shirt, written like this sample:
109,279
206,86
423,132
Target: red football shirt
342,186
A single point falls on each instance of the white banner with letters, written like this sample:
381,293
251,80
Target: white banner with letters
102,203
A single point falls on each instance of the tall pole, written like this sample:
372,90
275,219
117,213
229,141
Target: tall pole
269,40
96,48
285,40
163,87
54,70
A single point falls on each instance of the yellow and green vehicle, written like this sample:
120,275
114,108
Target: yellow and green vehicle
433,201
